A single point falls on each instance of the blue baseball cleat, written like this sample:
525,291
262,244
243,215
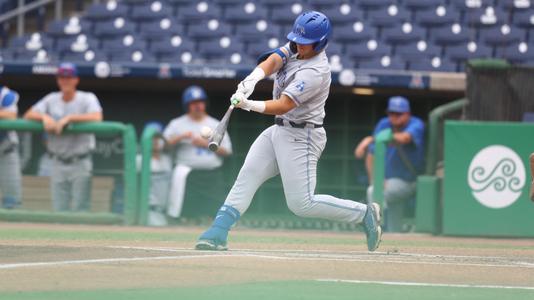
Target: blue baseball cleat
371,226
216,236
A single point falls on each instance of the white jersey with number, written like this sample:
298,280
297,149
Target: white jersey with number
69,145
307,82
189,154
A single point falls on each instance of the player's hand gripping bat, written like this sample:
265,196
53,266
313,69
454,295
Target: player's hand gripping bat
218,134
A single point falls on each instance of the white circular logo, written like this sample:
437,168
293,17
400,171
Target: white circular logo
102,69
496,176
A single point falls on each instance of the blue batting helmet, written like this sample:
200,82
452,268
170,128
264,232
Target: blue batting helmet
193,93
311,27
7,97
155,124
398,104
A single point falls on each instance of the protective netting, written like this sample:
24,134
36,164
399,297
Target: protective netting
498,91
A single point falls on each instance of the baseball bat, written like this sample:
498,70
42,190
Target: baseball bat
218,134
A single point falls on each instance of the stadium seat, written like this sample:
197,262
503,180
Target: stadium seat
465,51
434,64
524,18
69,27
127,43
208,29
516,5
418,50
258,31
114,28
40,56
388,16
31,42
518,53
466,5
322,4
343,14
375,4
198,12
219,47
403,34
160,29
132,56
438,17
154,10
106,11
338,63
485,17
287,15
180,57
354,33
502,35
451,35
86,56
79,43
417,5
368,49
254,50
169,46
384,62
245,13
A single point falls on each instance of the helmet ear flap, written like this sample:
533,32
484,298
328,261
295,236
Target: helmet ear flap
293,47
319,46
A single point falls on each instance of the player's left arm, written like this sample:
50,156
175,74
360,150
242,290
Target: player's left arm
6,114
413,133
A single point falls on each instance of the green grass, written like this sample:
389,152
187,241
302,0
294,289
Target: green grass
308,290
241,237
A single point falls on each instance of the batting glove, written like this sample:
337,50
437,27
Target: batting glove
238,100
246,87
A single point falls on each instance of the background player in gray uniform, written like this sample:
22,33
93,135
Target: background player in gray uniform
72,163
191,149
10,177
293,146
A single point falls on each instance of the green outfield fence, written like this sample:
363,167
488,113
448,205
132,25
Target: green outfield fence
131,213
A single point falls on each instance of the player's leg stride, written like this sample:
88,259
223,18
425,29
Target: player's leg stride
293,145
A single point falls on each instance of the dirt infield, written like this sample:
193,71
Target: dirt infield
60,258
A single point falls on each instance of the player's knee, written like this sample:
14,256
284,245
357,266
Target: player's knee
299,206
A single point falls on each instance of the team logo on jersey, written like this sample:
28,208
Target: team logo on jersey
300,86
496,176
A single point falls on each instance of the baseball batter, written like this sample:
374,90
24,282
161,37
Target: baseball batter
294,144
10,178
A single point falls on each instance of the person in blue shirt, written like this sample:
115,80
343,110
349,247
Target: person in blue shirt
404,158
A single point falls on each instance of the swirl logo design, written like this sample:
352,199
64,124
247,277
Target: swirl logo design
496,176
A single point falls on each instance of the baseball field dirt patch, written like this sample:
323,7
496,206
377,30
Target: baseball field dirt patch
111,262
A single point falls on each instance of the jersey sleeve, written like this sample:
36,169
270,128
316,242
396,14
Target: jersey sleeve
304,86
169,131
416,129
93,105
42,105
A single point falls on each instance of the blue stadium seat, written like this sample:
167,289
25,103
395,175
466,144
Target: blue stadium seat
105,11
113,28
343,14
470,50
516,5
403,34
451,35
375,4
278,3
31,42
154,10
384,62
435,64
160,29
69,27
518,53
225,3
183,56
466,5
208,29
417,5
235,58
334,48
441,16
416,51
132,56
169,46
86,56
198,12
219,47
39,56
322,4
368,49
79,43
338,63
286,15
485,17
354,33
502,35
389,16
524,18
245,13
259,31
125,43
254,50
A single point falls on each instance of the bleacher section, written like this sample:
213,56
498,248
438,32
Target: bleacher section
423,35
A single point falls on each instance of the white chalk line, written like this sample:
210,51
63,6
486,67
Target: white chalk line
425,284
351,256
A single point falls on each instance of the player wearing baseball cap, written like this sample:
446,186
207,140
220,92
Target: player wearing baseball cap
404,158
72,163
292,146
10,177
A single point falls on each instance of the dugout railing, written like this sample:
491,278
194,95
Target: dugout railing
130,215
